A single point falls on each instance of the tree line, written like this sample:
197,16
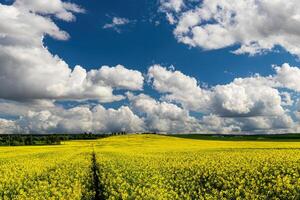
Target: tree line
49,139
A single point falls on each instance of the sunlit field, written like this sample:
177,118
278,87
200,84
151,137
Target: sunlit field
152,167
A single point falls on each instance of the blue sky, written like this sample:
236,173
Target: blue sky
143,43
167,65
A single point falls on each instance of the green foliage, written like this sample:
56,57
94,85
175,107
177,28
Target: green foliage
51,139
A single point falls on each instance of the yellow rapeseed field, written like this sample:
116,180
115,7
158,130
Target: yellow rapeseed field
45,172
161,167
152,167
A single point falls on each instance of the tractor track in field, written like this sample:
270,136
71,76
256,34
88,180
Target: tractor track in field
98,188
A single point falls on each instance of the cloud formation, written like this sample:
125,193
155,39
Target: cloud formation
179,88
29,71
81,119
171,5
61,10
246,104
256,26
288,77
33,80
253,96
163,116
8,126
251,104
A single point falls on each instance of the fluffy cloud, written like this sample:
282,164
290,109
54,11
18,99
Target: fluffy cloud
38,122
112,120
61,10
144,114
15,108
179,87
29,71
257,26
215,124
32,79
119,77
286,99
272,124
8,126
288,77
240,98
243,97
174,5
163,116
251,104
259,124
80,119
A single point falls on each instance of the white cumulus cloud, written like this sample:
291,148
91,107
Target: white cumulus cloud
29,71
256,26
243,97
288,77
163,116
33,81
80,119
178,87
8,126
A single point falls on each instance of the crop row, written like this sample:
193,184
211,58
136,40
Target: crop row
46,174
252,174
